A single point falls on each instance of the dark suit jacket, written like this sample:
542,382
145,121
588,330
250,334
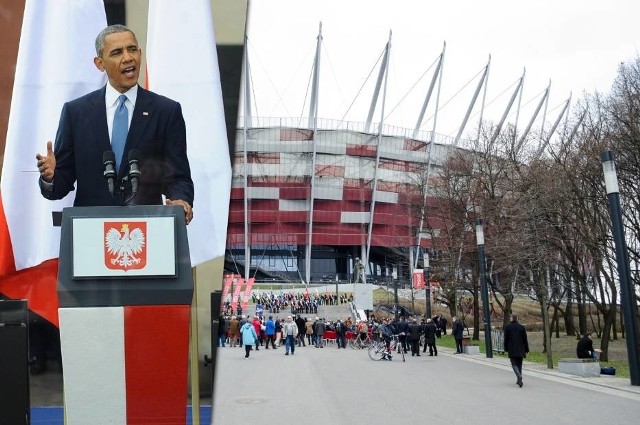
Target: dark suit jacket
515,340
457,329
157,131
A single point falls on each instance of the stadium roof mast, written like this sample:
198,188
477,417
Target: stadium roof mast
384,67
547,139
313,124
472,103
384,72
246,85
437,75
533,118
518,89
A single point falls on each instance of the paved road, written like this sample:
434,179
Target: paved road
332,387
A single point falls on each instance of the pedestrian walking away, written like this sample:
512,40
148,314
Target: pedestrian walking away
457,329
516,345
430,338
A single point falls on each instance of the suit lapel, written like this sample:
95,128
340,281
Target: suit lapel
98,119
139,121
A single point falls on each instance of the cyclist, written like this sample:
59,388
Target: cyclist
386,332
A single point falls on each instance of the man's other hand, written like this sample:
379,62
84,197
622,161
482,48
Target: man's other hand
47,164
188,211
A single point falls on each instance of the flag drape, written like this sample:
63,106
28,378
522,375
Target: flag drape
194,81
54,65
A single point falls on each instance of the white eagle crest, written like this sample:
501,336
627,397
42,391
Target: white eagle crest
125,246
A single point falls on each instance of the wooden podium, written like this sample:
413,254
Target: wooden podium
125,287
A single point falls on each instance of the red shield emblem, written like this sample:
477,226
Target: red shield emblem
125,245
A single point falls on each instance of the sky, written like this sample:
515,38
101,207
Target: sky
577,45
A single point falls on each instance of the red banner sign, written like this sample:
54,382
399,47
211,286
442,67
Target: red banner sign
418,279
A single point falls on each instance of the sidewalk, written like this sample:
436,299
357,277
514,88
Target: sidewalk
603,383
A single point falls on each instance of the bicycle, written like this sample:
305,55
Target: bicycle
359,343
378,349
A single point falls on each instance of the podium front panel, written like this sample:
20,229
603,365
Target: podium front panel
120,256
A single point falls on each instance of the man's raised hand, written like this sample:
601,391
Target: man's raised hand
47,164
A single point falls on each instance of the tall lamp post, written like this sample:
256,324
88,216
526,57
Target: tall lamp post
627,291
483,281
427,286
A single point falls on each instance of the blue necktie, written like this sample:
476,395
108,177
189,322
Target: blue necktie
120,129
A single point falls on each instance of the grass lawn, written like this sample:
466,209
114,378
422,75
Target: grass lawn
563,347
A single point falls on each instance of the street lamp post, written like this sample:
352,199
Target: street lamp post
627,291
427,286
483,281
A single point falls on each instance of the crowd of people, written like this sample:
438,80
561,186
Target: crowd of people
269,332
295,302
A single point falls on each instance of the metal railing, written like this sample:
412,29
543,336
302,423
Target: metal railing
497,341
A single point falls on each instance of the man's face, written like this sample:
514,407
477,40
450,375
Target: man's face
120,59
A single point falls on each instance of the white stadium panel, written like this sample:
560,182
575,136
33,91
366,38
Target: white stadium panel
352,217
331,193
386,197
293,205
331,160
279,146
394,176
263,193
331,146
359,168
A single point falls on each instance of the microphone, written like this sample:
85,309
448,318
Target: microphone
134,171
109,161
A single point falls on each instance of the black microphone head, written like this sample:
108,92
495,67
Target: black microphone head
108,156
134,155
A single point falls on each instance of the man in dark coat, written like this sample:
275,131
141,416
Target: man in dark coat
415,330
442,324
430,338
402,328
301,330
584,350
517,345
457,329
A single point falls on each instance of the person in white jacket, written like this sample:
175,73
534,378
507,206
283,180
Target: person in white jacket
290,331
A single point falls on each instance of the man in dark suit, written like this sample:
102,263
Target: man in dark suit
156,129
430,338
517,345
457,330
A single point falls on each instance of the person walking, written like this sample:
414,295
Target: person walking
249,337
341,330
319,328
430,338
300,322
517,345
234,331
415,330
457,329
308,326
442,324
270,332
290,330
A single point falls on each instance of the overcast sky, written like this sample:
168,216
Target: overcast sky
577,44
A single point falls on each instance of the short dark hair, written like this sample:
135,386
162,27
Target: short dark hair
111,29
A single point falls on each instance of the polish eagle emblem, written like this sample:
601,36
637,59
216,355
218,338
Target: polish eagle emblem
125,248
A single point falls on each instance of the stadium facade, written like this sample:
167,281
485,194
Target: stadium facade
306,203
312,200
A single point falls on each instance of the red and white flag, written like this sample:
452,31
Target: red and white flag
55,65
173,29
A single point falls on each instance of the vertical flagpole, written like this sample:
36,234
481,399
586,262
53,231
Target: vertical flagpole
194,354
